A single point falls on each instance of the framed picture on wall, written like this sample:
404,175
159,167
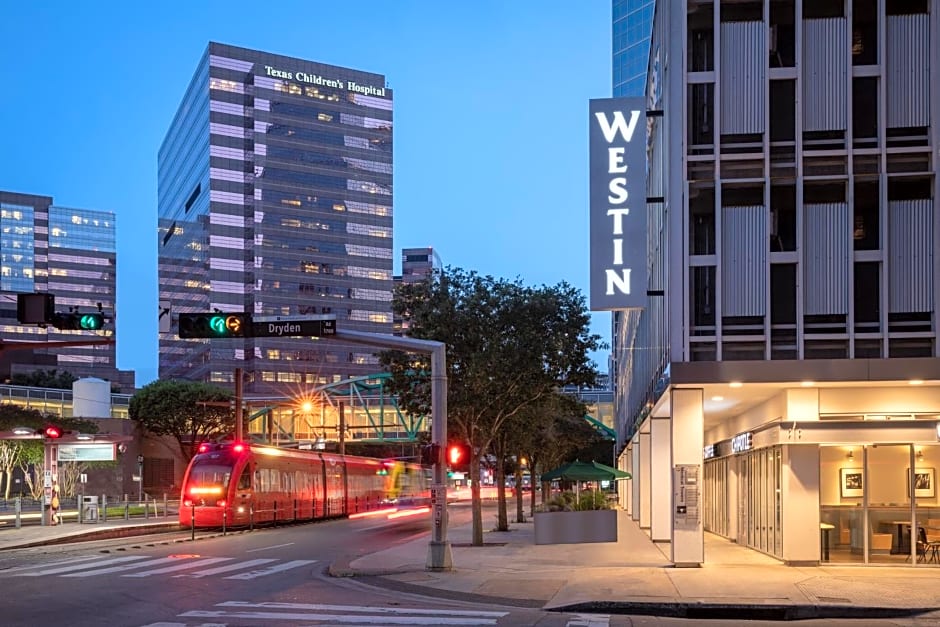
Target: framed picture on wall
925,482
850,483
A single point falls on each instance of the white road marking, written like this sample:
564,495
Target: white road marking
265,548
73,560
272,569
65,569
117,569
184,566
589,620
320,607
359,619
228,568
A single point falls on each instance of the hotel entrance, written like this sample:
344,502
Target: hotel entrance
879,505
759,500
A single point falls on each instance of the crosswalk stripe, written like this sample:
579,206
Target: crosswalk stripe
65,569
271,569
117,569
73,560
361,619
228,568
184,566
320,607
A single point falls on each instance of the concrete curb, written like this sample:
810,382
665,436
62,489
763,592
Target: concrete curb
743,611
98,534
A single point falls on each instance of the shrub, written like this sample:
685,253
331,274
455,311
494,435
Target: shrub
593,499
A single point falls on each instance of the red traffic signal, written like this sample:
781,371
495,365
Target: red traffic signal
454,453
52,432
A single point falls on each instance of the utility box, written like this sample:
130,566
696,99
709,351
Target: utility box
89,507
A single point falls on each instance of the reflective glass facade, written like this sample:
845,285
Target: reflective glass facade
67,252
275,198
633,24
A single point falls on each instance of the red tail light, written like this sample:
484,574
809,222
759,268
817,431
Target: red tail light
187,503
239,448
220,503
203,447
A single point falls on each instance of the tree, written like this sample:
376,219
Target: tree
508,346
54,378
189,411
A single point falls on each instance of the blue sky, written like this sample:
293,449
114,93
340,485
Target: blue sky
491,120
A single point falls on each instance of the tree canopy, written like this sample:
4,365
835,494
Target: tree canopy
189,411
508,347
54,378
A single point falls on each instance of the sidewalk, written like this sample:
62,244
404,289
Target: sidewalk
37,535
634,576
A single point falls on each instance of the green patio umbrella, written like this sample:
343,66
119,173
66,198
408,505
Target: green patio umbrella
585,471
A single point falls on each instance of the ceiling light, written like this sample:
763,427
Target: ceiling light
916,382
735,384
807,384
850,455
718,398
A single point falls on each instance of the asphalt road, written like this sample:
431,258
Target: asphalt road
266,577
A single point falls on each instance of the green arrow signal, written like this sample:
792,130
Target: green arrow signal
91,322
217,325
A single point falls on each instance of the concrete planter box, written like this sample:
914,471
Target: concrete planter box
598,525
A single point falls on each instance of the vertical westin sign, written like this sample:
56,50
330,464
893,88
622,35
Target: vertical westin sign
618,203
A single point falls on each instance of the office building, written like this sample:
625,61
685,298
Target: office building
70,253
781,388
275,199
417,264
632,25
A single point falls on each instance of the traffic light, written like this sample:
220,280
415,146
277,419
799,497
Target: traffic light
51,432
210,325
78,321
35,308
458,456
431,454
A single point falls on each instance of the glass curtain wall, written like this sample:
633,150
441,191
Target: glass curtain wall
881,501
759,522
717,501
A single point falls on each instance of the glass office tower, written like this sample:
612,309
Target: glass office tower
71,254
275,198
633,23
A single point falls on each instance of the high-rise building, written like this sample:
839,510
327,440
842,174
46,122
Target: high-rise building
417,264
71,254
633,23
275,198
783,380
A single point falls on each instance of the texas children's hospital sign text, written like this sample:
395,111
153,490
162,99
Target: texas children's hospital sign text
618,203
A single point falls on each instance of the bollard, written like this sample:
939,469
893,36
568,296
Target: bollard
104,508
166,508
147,508
78,506
127,509
224,515
192,520
275,512
251,517
17,508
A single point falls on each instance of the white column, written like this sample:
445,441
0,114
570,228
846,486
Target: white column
625,488
688,420
637,479
800,498
661,466
645,474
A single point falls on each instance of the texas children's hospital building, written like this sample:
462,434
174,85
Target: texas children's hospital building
764,231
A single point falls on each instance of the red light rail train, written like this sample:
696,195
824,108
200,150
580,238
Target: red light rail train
236,484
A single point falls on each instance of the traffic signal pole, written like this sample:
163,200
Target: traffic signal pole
439,550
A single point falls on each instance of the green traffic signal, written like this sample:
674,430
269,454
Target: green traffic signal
214,325
90,322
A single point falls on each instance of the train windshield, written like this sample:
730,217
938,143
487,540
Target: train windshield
207,476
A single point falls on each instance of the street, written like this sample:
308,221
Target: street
267,577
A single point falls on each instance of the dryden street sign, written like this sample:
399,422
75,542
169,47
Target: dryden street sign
618,203
287,326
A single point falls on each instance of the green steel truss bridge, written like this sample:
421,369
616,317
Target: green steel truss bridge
370,414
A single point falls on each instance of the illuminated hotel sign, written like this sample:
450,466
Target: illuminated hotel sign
709,451
742,442
316,79
618,203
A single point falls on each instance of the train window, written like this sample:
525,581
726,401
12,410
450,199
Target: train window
210,475
244,481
